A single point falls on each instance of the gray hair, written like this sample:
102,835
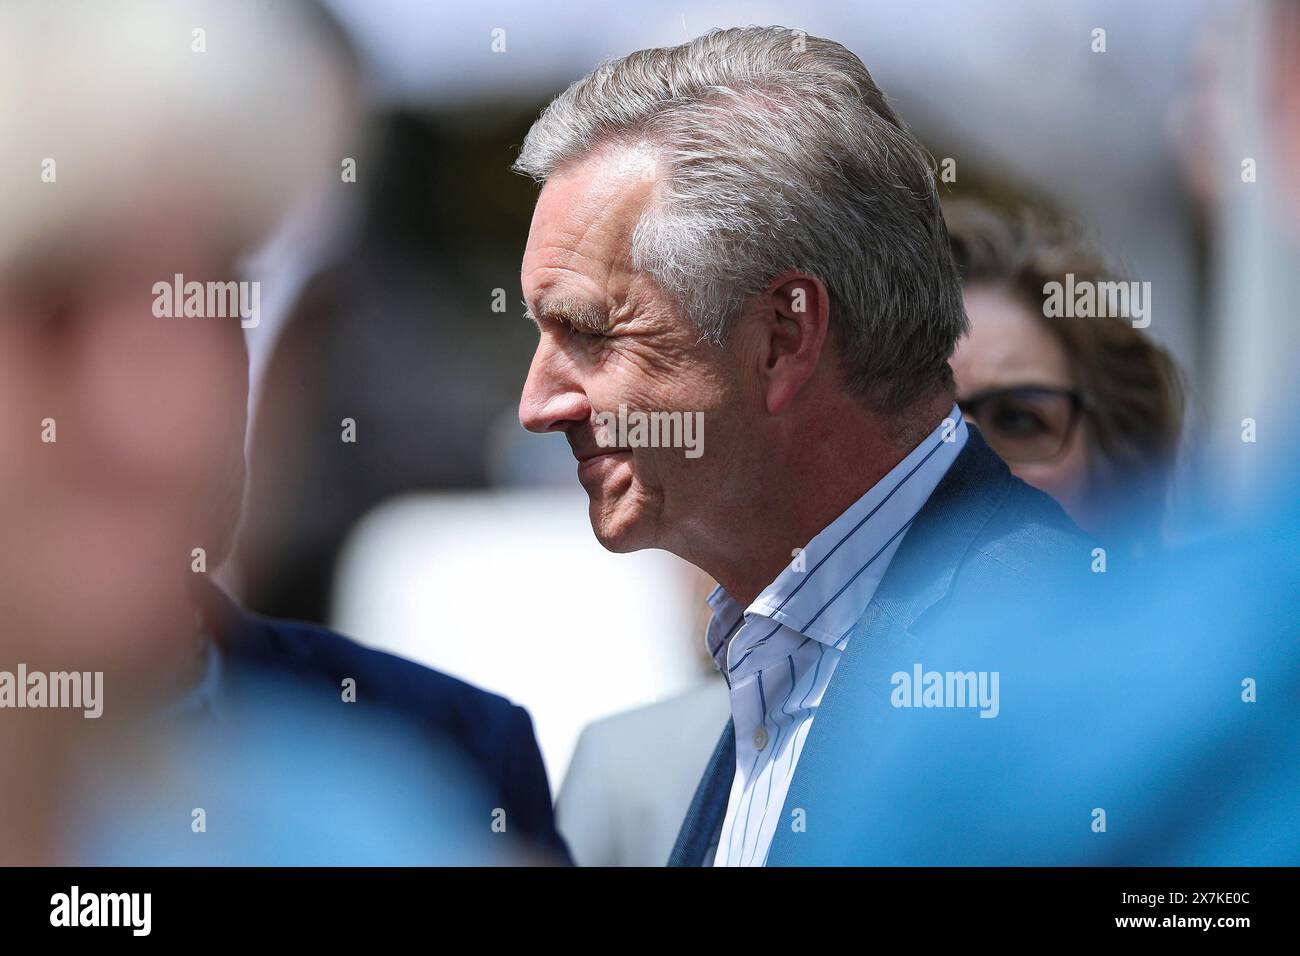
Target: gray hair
780,153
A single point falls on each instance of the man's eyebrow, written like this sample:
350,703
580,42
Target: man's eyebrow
578,315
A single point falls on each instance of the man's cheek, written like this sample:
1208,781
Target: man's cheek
652,468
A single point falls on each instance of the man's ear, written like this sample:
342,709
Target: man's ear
796,318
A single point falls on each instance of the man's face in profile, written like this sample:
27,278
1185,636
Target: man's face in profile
609,336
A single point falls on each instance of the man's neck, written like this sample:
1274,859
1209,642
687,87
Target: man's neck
817,478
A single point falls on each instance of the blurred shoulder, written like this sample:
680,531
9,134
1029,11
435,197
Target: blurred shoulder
1029,533
313,651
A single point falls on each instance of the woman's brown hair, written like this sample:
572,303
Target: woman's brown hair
1132,387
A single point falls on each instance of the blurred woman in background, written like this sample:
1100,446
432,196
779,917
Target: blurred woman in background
1087,409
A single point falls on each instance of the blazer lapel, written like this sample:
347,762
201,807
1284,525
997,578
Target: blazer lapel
709,805
918,578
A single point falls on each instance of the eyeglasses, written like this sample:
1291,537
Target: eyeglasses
1027,423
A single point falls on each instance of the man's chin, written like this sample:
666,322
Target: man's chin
617,530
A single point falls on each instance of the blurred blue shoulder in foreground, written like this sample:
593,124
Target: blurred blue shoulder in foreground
285,780
1151,718
300,747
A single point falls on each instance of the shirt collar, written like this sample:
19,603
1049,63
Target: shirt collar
825,590
724,623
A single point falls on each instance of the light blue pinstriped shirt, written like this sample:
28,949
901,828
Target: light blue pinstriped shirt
778,656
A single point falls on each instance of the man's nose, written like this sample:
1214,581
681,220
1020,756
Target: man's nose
552,399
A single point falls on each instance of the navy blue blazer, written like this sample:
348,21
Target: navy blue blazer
493,735
984,540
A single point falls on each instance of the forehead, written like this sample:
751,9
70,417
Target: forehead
580,240
1008,345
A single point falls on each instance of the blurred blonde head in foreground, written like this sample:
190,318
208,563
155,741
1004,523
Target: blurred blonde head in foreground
137,142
